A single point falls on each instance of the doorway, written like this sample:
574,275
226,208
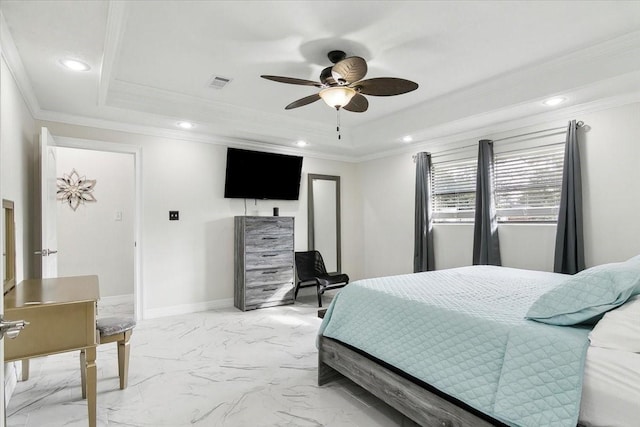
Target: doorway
102,237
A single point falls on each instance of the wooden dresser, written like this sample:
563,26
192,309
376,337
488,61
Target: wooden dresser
263,261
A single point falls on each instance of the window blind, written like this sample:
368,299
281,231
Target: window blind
454,190
528,184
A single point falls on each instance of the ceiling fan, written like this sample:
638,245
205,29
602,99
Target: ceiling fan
341,85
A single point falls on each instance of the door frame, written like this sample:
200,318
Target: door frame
136,150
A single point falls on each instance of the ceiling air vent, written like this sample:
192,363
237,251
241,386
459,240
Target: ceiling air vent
218,82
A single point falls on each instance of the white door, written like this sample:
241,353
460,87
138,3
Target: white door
48,248
2,408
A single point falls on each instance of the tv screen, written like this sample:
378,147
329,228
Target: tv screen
258,175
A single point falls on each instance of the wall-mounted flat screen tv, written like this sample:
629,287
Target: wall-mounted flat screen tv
259,175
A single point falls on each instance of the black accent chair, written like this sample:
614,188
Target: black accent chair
311,271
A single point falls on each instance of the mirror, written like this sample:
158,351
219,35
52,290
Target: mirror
324,218
8,245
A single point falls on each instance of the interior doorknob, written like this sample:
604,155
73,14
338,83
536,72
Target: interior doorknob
45,252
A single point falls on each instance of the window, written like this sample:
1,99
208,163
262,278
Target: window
453,186
528,183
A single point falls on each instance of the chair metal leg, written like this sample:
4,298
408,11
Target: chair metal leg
320,292
295,293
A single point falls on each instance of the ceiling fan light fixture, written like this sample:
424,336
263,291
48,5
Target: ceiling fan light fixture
337,97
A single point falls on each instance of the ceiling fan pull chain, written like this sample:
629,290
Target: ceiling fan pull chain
338,122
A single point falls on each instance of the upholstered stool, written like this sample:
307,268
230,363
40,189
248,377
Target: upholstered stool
113,329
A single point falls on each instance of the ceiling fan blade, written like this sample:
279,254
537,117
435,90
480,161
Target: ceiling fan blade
358,104
349,70
304,101
385,86
292,81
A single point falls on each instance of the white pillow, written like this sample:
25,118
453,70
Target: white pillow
619,329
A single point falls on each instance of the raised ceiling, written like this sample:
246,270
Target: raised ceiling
479,65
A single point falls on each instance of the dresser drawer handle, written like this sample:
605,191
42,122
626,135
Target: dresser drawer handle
270,272
269,238
268,255
269,289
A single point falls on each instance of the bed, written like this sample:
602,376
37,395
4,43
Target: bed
455,347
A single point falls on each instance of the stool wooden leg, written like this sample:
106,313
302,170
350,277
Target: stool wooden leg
123,359
25,369
83,373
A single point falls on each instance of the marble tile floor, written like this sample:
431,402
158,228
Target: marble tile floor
215,368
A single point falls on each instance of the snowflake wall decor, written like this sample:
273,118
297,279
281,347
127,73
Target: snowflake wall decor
75,189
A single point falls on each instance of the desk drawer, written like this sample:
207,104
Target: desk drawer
269,276
53,328
269,294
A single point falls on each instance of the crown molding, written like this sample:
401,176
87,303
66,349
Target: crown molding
12,58
206,112
153,131
116,24
462,137
562,75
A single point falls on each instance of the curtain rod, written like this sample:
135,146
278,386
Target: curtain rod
440,153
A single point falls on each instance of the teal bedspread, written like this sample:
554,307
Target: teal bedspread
463,331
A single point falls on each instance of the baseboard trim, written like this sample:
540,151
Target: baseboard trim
118,299
174,310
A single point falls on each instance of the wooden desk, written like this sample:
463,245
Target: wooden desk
62,317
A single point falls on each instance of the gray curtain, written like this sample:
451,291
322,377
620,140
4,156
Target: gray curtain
423,257
569,256
486,245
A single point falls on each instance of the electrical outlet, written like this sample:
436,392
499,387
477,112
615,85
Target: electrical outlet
174,215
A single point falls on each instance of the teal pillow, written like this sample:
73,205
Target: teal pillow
587,295
635,260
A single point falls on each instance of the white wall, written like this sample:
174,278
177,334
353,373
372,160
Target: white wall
388,191
90,239
17,155
188,264
611,184
610,154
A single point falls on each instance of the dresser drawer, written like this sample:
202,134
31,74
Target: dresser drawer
269,293
254,260
269,242
255,226
269,276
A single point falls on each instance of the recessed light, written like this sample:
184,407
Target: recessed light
552,102
75,65
301,143
185,125
407,138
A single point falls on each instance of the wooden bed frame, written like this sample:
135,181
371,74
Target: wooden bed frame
424,407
